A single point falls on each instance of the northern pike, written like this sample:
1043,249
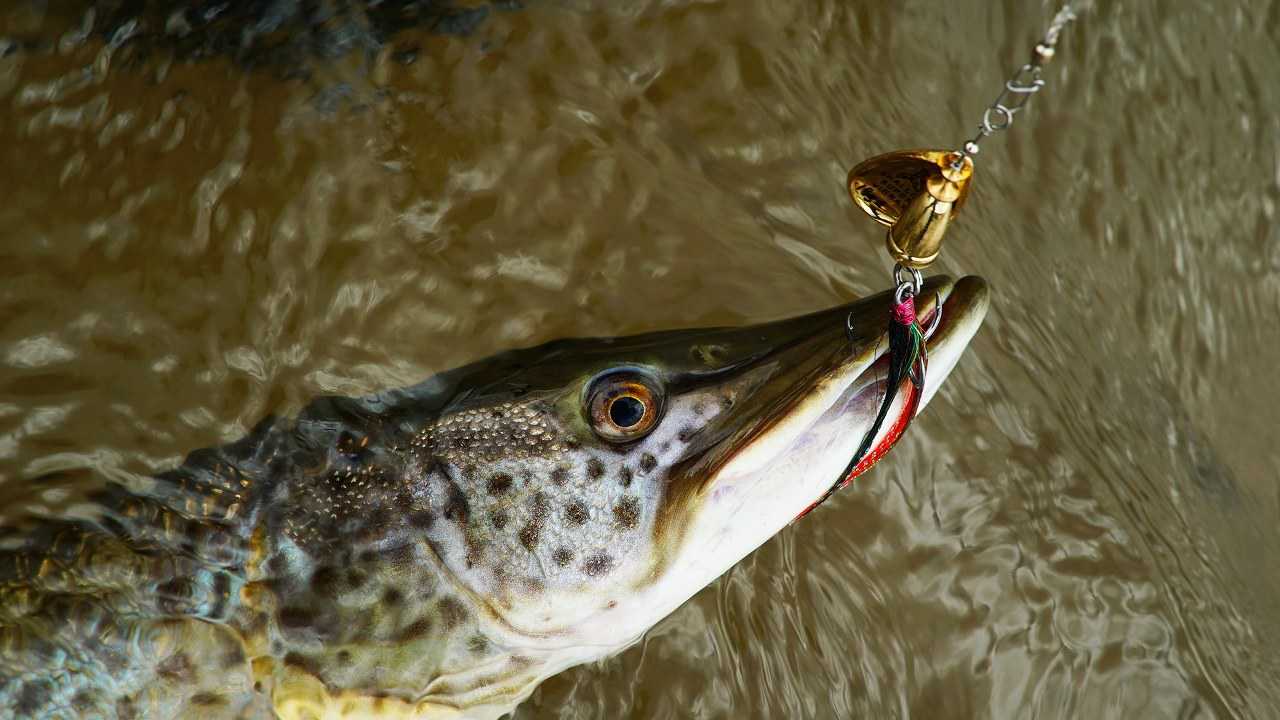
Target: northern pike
439,550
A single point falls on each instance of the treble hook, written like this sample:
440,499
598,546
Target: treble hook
937,317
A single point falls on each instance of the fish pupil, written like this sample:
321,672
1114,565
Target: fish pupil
626,411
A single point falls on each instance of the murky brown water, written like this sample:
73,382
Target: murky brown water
1083,524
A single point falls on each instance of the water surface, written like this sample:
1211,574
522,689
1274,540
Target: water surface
202,225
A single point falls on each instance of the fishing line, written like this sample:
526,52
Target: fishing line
916,194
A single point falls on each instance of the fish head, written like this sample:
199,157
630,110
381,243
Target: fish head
607,480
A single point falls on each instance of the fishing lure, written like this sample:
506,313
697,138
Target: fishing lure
916,194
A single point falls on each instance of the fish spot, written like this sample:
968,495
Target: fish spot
422,626
475,553
422,519
356,579
562,556
626,514
178,668
452,612
595,469
125,709
500,484
597,564
529,534
234,657
392,597
577,513
82,701
174,596
326,581
625,476
208,699
35,694
457,510
534,586
648,462
560,475
500,518
477,644
296,617
399,556
344,657
686,434
539,503
299,660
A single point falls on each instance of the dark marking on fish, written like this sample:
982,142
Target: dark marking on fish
398,556
562,556
178,668
356,579
458,509
597,564
648,462
477,644
595,469
626,514
577,513
421,519
234,656
296,617
208,699
560,475
221,595
82,701
625,476
529,534
452,612
35,694
421,627
500,484
174,597
500,518
475,553
327,581
303,663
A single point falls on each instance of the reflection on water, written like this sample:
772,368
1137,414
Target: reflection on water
1084,524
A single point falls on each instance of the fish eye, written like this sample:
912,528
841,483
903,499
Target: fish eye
624,405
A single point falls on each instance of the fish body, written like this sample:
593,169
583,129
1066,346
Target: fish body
438,551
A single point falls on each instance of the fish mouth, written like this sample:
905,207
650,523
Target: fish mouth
806,391
962,305
815,396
